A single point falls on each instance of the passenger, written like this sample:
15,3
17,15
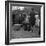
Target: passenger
37,22
32,19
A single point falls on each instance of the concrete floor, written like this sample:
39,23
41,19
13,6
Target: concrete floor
24,34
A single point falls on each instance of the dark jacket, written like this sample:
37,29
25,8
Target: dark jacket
32,18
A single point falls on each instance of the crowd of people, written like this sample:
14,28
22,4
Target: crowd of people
26,20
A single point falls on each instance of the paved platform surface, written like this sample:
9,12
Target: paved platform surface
24,34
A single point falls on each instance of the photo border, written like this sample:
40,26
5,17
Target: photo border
7,22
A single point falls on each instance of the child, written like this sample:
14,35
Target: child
37,22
